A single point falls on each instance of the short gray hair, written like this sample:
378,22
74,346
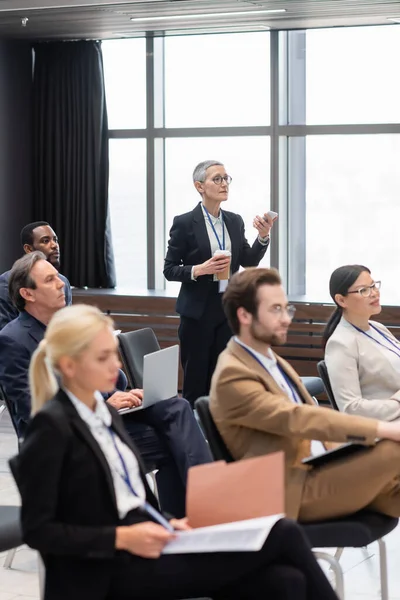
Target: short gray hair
20,277
199,174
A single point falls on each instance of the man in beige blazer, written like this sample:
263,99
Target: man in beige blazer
260,405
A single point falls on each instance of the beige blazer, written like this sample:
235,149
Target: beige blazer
363,377
255,417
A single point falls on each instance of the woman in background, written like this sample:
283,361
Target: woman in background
86,505
362,356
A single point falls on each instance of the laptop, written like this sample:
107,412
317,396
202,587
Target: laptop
160,378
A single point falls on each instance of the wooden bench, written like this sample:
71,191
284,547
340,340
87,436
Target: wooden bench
303,349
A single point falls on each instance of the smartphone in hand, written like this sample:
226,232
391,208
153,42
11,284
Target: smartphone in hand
272,214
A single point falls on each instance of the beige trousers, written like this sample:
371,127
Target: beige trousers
367,480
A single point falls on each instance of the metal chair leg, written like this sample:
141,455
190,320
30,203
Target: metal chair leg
338,553
336,568
383,569
151,475
9,558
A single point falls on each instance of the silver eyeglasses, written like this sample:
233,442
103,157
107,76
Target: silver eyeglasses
279,310
218,179
365,292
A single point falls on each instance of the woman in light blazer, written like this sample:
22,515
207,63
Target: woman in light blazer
362,356
86,504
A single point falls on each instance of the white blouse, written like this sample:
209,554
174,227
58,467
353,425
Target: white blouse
99,423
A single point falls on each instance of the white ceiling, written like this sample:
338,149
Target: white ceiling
101,19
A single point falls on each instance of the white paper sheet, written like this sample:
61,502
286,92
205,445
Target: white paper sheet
241,536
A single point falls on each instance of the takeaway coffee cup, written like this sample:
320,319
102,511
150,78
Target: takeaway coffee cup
223,275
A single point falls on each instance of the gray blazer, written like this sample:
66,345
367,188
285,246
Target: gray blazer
363,378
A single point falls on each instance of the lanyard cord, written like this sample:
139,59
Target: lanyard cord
289,383
221,246
377,341
157,516
125,475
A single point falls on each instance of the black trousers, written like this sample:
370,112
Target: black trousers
169,439
202,341
284,569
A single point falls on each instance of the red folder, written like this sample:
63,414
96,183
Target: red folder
223,492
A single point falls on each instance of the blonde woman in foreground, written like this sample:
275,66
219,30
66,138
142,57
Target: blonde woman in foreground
86,505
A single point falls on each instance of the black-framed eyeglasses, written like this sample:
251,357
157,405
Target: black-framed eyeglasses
365,291
218,179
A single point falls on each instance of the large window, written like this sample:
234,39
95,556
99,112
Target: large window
127,197
125,77
353,208
217,80
221,82
306,122
351,75
247,161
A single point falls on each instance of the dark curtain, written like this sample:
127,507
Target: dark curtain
70,164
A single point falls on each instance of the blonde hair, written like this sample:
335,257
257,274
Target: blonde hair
70,332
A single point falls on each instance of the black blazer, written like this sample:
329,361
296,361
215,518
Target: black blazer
189,245
69,511
18,341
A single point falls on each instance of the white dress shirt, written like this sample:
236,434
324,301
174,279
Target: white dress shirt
218,225
270,364
99,422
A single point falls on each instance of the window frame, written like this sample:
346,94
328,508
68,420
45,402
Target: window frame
287,132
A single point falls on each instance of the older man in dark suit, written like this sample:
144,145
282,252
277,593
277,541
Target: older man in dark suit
167,433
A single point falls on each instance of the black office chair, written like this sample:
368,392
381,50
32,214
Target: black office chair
10,532
323,373
10,409
3,408
217,444
133,347
10,529
313,385
355,531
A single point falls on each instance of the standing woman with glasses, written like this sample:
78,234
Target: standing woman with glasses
206,246
362,356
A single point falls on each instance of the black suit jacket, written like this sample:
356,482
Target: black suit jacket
8,311
18,341
189,245
69,511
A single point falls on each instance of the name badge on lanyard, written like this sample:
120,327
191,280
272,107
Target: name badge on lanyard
395,346
223,283
291,385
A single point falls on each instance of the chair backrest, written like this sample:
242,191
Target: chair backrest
323,373
217,444
10,409
134,345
